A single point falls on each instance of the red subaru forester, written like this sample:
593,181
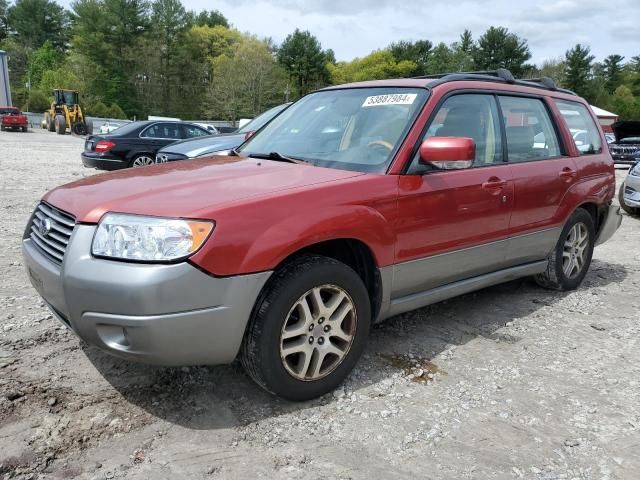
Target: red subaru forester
357,203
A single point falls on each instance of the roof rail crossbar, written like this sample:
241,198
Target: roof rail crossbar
502,73
499,75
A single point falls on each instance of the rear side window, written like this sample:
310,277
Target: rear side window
163,130
191,131
584,131
529,130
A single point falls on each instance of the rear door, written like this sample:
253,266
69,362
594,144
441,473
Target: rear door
542,173
158,135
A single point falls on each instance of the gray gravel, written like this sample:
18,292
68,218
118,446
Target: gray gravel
509,382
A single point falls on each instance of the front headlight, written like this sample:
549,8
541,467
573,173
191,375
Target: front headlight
148,239
635,171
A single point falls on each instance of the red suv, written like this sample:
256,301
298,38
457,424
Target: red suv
357,203
12,119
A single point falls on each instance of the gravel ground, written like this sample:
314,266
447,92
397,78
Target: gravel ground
510,382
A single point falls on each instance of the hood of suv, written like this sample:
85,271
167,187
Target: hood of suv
626,129
184,189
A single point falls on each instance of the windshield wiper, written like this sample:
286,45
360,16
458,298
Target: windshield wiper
278,157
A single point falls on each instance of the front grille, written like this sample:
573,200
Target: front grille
50,231
618,150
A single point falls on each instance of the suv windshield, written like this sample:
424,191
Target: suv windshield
8,111
352,129
258,122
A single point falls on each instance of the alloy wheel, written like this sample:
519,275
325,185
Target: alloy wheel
575,249
318,332
142,161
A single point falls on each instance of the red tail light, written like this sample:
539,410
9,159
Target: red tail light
104,146
248,135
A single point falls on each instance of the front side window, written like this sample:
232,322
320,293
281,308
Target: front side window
529,131
585,133
356,129
472,116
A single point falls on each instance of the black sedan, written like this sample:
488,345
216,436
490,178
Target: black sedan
135,144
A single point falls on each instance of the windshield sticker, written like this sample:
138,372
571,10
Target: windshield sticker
392,99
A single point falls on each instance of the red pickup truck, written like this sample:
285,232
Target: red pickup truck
355,204
12,119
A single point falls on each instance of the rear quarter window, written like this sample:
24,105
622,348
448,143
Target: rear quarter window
585,133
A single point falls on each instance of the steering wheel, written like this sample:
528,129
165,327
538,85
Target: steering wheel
382,143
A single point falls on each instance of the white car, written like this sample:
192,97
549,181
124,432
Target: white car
108,127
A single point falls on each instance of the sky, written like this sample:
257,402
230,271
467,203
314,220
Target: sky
354,28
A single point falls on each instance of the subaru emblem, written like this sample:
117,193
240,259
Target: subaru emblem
45,227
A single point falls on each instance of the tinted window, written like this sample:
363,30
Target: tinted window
191,131
530,133
584,131
162,130
471,116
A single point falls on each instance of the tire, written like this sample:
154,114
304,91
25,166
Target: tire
78,128
294,376
142,160
60,124
88,125
569,262
633,211
24,129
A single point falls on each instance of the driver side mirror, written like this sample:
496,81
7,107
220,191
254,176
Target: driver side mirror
448,153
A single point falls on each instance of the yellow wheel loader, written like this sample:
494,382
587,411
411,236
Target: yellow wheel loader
65,114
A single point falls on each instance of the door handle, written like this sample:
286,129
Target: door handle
568,173
494,183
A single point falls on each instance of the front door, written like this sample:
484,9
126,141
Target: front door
454,224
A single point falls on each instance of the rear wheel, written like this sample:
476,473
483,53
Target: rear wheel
625,207
570,260
308,329
142,160
24,129
60,124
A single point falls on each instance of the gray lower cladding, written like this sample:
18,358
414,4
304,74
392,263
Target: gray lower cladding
418,283
160,314
610,224
632,194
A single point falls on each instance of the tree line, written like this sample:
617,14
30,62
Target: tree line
154,57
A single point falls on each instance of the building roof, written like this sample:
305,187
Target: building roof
602,113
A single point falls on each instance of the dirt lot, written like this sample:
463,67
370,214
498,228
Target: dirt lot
517,382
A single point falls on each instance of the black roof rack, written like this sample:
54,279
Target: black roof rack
501,75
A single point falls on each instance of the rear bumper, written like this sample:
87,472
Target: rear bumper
170,315
610,224
102,162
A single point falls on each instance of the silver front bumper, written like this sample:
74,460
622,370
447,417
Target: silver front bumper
610,224
632,191
161,314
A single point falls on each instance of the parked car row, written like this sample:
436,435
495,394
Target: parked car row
144,143
355,204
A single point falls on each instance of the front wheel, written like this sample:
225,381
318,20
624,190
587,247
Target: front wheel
60,124
308,329
630,210
570,260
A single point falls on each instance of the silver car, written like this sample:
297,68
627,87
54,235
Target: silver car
629,195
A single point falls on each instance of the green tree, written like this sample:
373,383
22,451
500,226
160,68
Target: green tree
613,71
578,69
302,57
38,101
211,18
43,59
498,48
442,59
417,52
378,65
37,21
247,82
4,23
114,111
97,109
625,104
